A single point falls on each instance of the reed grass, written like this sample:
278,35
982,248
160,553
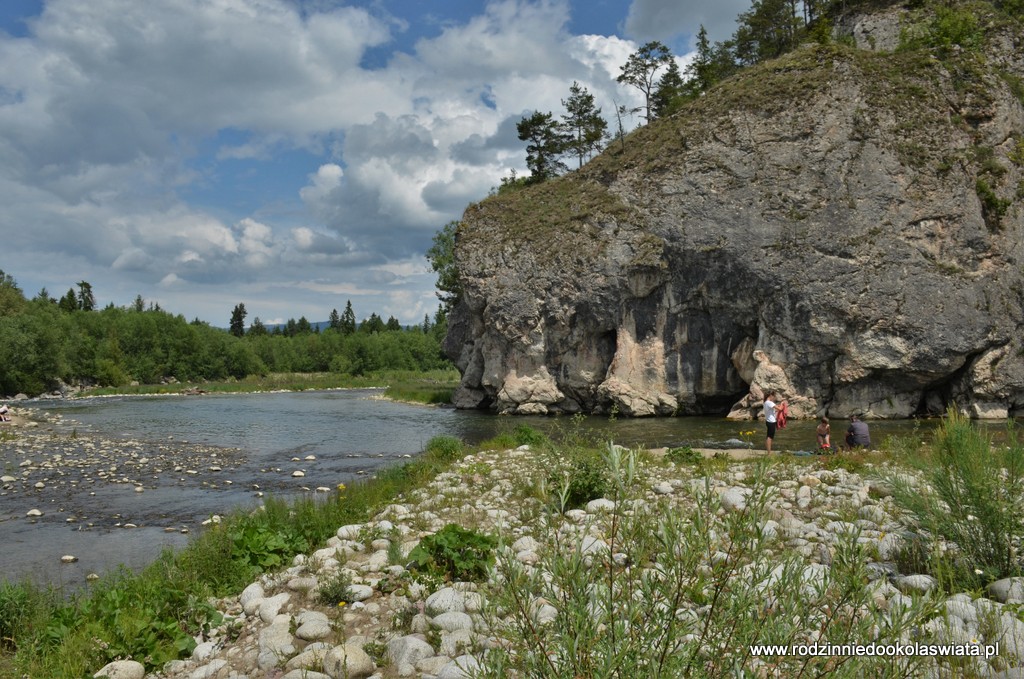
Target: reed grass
967,511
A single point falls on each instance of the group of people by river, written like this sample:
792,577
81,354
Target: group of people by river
858,435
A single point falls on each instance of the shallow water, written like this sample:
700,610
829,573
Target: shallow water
259,440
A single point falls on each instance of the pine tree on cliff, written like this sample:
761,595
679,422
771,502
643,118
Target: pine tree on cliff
641,71
669,93
442,261
585,128
546,143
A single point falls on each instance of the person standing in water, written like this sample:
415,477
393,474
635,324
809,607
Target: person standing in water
770,419
824,432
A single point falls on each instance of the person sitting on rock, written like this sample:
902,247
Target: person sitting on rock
824,432
857,436
4,417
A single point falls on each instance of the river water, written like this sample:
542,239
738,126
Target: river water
258,441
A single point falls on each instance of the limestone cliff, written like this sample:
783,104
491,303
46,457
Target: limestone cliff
843,225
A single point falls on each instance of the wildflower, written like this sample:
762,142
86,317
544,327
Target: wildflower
341,604
341,487
978,571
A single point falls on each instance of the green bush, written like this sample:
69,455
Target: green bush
444,448
335,590
263,547
972,496
585,479
684,455
948,27
994,207
525,435
455,553
19,604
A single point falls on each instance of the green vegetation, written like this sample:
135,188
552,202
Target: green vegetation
47,341
973,499
442,261
455,554
335,591
650,601
445,448
520,435
993,207
948,26
684,455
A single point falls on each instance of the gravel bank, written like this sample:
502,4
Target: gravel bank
399,627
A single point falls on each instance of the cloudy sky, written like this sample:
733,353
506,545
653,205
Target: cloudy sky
286,154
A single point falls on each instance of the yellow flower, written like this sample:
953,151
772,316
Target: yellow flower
341,486
340,604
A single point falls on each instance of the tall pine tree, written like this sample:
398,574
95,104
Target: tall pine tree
583,124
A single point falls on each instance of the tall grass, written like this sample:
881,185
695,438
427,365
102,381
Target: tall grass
972,497
673,592
434,387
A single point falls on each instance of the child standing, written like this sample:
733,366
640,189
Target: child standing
824,432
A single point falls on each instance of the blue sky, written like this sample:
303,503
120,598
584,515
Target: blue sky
287,154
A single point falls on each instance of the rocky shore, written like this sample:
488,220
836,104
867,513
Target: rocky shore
67,495
395,625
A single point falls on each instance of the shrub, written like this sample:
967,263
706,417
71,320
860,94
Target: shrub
948,27
525,435
455,553
684,455
993,207
584,480
18,604
522,434
444,448
335,589
972,495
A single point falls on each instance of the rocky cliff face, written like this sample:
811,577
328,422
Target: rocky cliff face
844,226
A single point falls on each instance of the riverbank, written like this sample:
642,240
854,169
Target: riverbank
74,504
714,552
430,387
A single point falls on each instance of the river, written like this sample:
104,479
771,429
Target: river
174,461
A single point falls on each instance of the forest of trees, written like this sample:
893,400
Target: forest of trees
44,340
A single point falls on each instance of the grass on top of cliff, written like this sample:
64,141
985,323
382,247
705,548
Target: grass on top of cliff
929,89
907,98
938,80
564,214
